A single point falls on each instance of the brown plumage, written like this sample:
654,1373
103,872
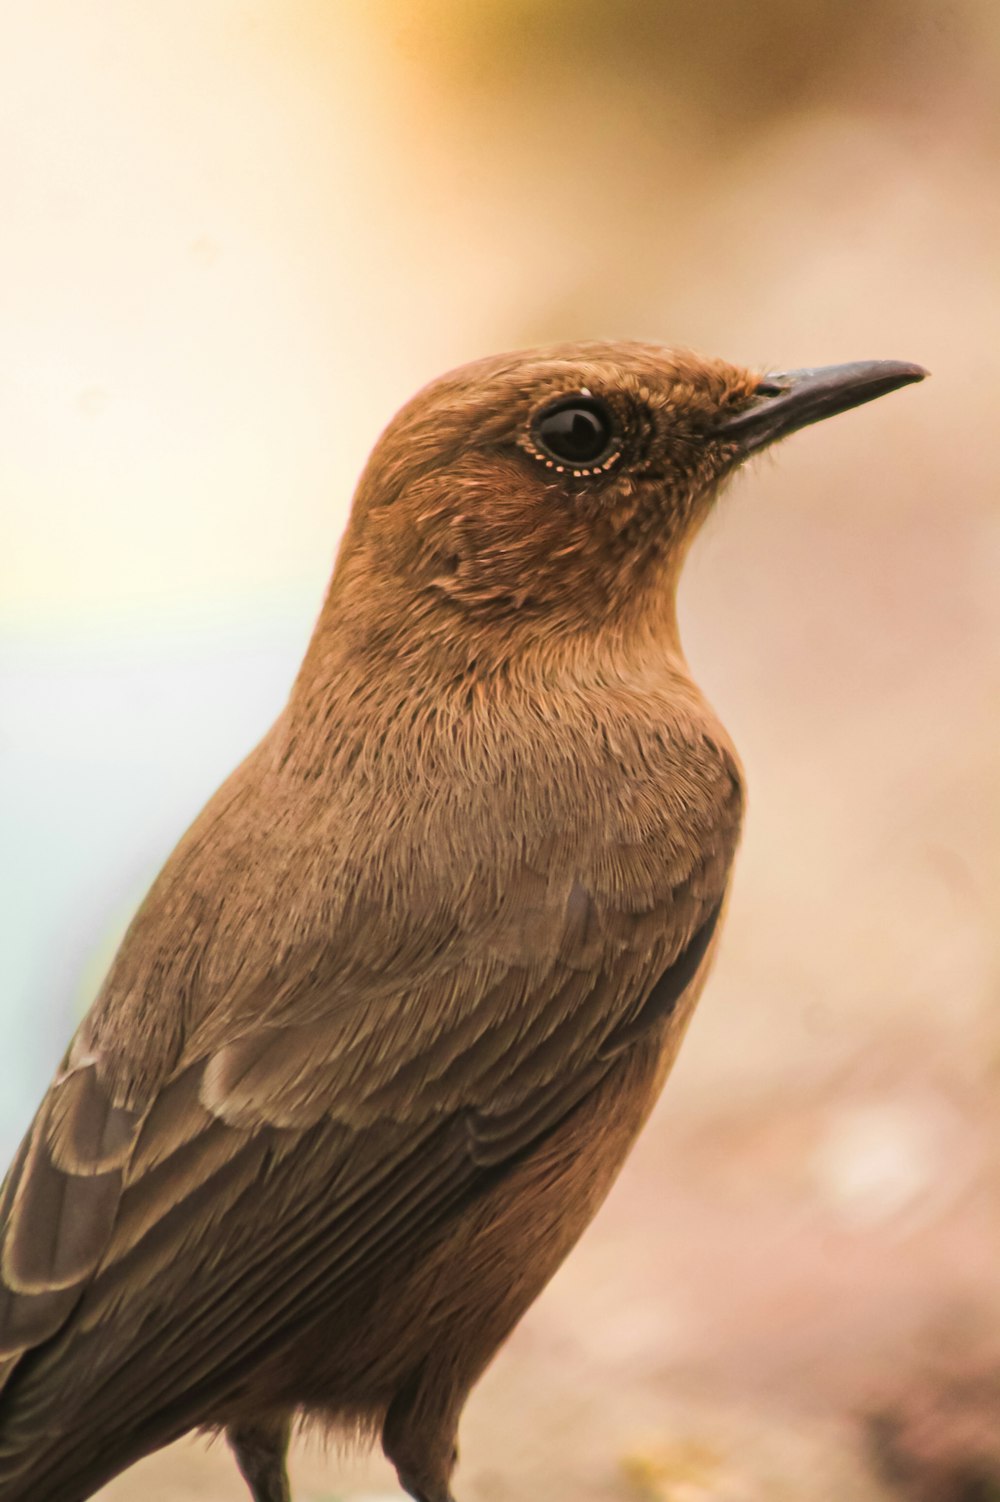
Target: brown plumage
382,1033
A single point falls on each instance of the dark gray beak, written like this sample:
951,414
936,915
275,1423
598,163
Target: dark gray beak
783,403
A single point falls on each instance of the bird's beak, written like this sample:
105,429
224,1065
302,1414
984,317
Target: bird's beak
783,403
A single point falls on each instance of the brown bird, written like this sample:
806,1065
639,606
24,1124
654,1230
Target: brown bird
383,1031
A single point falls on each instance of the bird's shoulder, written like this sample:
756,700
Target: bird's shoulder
428,939
425,850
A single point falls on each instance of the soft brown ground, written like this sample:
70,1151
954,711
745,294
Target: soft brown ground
808,1234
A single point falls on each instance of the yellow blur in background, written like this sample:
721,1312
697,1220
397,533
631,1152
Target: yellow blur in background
236,235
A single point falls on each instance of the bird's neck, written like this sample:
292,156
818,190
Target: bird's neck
368,669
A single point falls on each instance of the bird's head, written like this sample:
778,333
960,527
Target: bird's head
553,493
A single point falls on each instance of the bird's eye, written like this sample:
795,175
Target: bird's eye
577,430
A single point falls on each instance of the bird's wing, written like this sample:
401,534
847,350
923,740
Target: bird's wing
150,1256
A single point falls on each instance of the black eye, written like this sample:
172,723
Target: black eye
576,431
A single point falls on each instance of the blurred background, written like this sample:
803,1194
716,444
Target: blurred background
237,234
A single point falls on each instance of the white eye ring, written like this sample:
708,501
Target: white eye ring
576,432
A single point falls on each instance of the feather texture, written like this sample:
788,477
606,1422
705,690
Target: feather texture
382,1032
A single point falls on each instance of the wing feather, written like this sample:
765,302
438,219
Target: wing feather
153,1254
